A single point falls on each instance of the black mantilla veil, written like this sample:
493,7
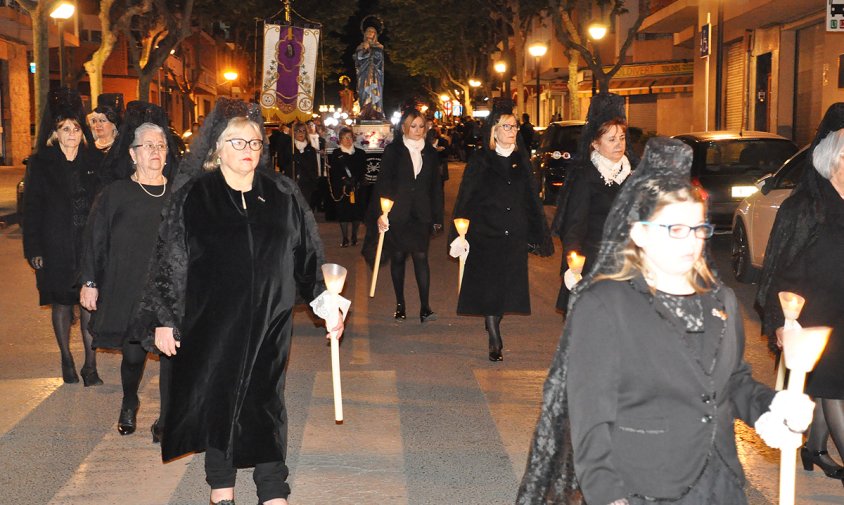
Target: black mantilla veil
117,163
549,476
794,228
62,103
603,107
111,105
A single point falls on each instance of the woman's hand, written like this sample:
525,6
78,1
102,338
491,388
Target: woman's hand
88,298
779,333
337,331
383,223
165,341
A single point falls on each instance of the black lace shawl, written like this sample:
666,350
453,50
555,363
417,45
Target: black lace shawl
795,226
549,477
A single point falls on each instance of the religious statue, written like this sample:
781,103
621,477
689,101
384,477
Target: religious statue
347,96
369,64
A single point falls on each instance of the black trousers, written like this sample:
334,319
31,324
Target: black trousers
270,478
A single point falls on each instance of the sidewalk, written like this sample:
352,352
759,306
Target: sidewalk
9,178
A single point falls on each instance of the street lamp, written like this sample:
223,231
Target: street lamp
62,12
230,76
474,83
537,50
597,31
501,67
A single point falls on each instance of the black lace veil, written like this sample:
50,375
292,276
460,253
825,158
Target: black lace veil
63,103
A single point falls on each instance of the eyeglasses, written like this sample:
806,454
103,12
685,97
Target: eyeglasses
240,144
705,230
152,147
508,126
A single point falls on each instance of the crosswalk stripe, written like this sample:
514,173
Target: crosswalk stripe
125,469
360,461
20,396
360,316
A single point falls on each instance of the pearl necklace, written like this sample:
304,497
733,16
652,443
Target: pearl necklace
136,179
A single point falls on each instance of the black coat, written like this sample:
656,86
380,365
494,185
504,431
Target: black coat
346,172
646,415
506,220
306,170
227,279
281,146
59,194
419,198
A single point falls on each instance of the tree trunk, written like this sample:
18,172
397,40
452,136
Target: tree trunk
519,61
144,81
94,66
574,99
467,102
41,55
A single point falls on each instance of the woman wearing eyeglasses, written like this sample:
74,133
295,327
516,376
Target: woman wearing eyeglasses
119,239
506,222
238,246
649,376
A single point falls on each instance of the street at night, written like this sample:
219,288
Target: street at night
428,418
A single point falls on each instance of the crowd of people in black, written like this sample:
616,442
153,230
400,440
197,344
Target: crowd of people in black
200,259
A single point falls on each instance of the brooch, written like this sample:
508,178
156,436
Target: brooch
720,314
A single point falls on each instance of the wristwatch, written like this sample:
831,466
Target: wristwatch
90,284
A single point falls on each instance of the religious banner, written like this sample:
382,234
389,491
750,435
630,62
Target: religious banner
290,55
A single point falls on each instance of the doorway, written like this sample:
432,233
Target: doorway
762,98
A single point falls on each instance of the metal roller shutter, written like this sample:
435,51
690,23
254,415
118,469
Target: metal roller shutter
809,86
642,112
734,103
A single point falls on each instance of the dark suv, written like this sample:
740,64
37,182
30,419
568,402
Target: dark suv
553,156
728,163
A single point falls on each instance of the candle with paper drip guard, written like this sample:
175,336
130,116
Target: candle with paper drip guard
462,226
802,347
386,206
335,278
575,263
792,305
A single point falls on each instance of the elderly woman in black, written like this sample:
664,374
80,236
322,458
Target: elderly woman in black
649,377
498,197
804,256
347,167
410,177
237,246
61,182
121,233
603,162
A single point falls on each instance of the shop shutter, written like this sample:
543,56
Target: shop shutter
733,103
642,112
809,86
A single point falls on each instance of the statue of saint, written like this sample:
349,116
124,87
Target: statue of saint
369,64
347,96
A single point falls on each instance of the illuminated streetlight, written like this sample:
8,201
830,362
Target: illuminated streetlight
597,31
231,75
444,97
500,67
62,12
537,50
474,83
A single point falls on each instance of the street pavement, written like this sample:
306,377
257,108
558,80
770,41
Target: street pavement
428,419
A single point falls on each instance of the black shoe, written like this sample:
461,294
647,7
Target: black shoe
90,377
222,502
812,458
492,326
344,243
69,373
495,355
156,430
354,241
427,315
400,315
126,422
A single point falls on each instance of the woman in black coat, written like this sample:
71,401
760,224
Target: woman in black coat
305,164
603,163
410,177
61,182
804,256
649,377
346,169
237,247
498,197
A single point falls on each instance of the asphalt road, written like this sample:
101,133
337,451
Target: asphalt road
428,419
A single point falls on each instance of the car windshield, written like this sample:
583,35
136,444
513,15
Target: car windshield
561,138
746,156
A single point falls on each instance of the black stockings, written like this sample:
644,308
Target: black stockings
344,231
131,372
493,328
833,415
62,319
423,276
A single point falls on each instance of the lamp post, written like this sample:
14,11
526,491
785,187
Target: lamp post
597,31
62,12
501,67
230,76
537,50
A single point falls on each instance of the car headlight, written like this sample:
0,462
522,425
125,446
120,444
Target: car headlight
743,191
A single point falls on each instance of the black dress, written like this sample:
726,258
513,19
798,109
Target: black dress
59,194
119,239
346,172
306,170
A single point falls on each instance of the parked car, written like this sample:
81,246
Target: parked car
755,216
728,163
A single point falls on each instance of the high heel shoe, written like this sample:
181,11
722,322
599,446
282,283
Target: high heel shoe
812,458
494,332
426,315
221,502
126,423
69,373
400,314
344,243
90,377
156,430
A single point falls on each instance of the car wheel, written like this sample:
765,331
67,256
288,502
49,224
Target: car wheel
743,269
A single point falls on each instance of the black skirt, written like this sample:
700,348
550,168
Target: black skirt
409,237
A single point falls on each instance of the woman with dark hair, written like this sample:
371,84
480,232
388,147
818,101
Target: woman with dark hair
507,222
105,120
603,162
410,177
804,256
305,166
120,235
347,166
61,182
237,247
649,376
